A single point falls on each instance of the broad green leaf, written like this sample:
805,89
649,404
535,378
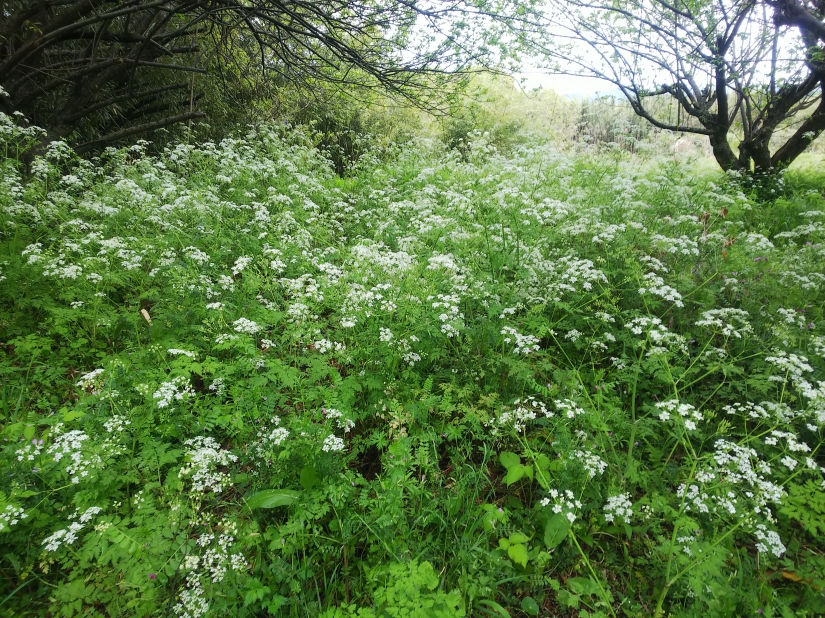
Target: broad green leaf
495,608
270,498
519,537
518,554
514,474
508,459
309,478
529,605
70,416
28,432
556,530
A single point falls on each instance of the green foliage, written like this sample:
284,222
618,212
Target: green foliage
236,383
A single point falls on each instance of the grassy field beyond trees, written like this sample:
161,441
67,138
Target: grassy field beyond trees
481,374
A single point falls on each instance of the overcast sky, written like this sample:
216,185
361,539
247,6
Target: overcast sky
566,85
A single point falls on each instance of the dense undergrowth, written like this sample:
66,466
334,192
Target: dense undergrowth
546,383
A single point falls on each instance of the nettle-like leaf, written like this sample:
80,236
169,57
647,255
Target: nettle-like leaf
556,530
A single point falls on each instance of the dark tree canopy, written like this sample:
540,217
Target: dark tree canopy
97,71
744,66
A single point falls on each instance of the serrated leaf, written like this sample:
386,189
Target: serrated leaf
528,471
518,554
508,459
270,498
583,585
556,530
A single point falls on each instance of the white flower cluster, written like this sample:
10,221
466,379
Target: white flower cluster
217,387
524,410
750,410
817,344
90,381
769,541
325,345
618,507
593,464
684,410
445,261
579,271
655,285
607,338
67,536
757,241
563,502
30,451
225,338
299,312
452,318
568,408
242,325
196,255
204,456
653,263
369,256
694,498
794,445
304,288
730,322
193,603
507,311
240,264
737,475
359,300
116,423
682,245
217,559
70,445
270,438
340,420
332,443
385,335
573,335
176,390
658,334
10,516
795,365
524,344
177,352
